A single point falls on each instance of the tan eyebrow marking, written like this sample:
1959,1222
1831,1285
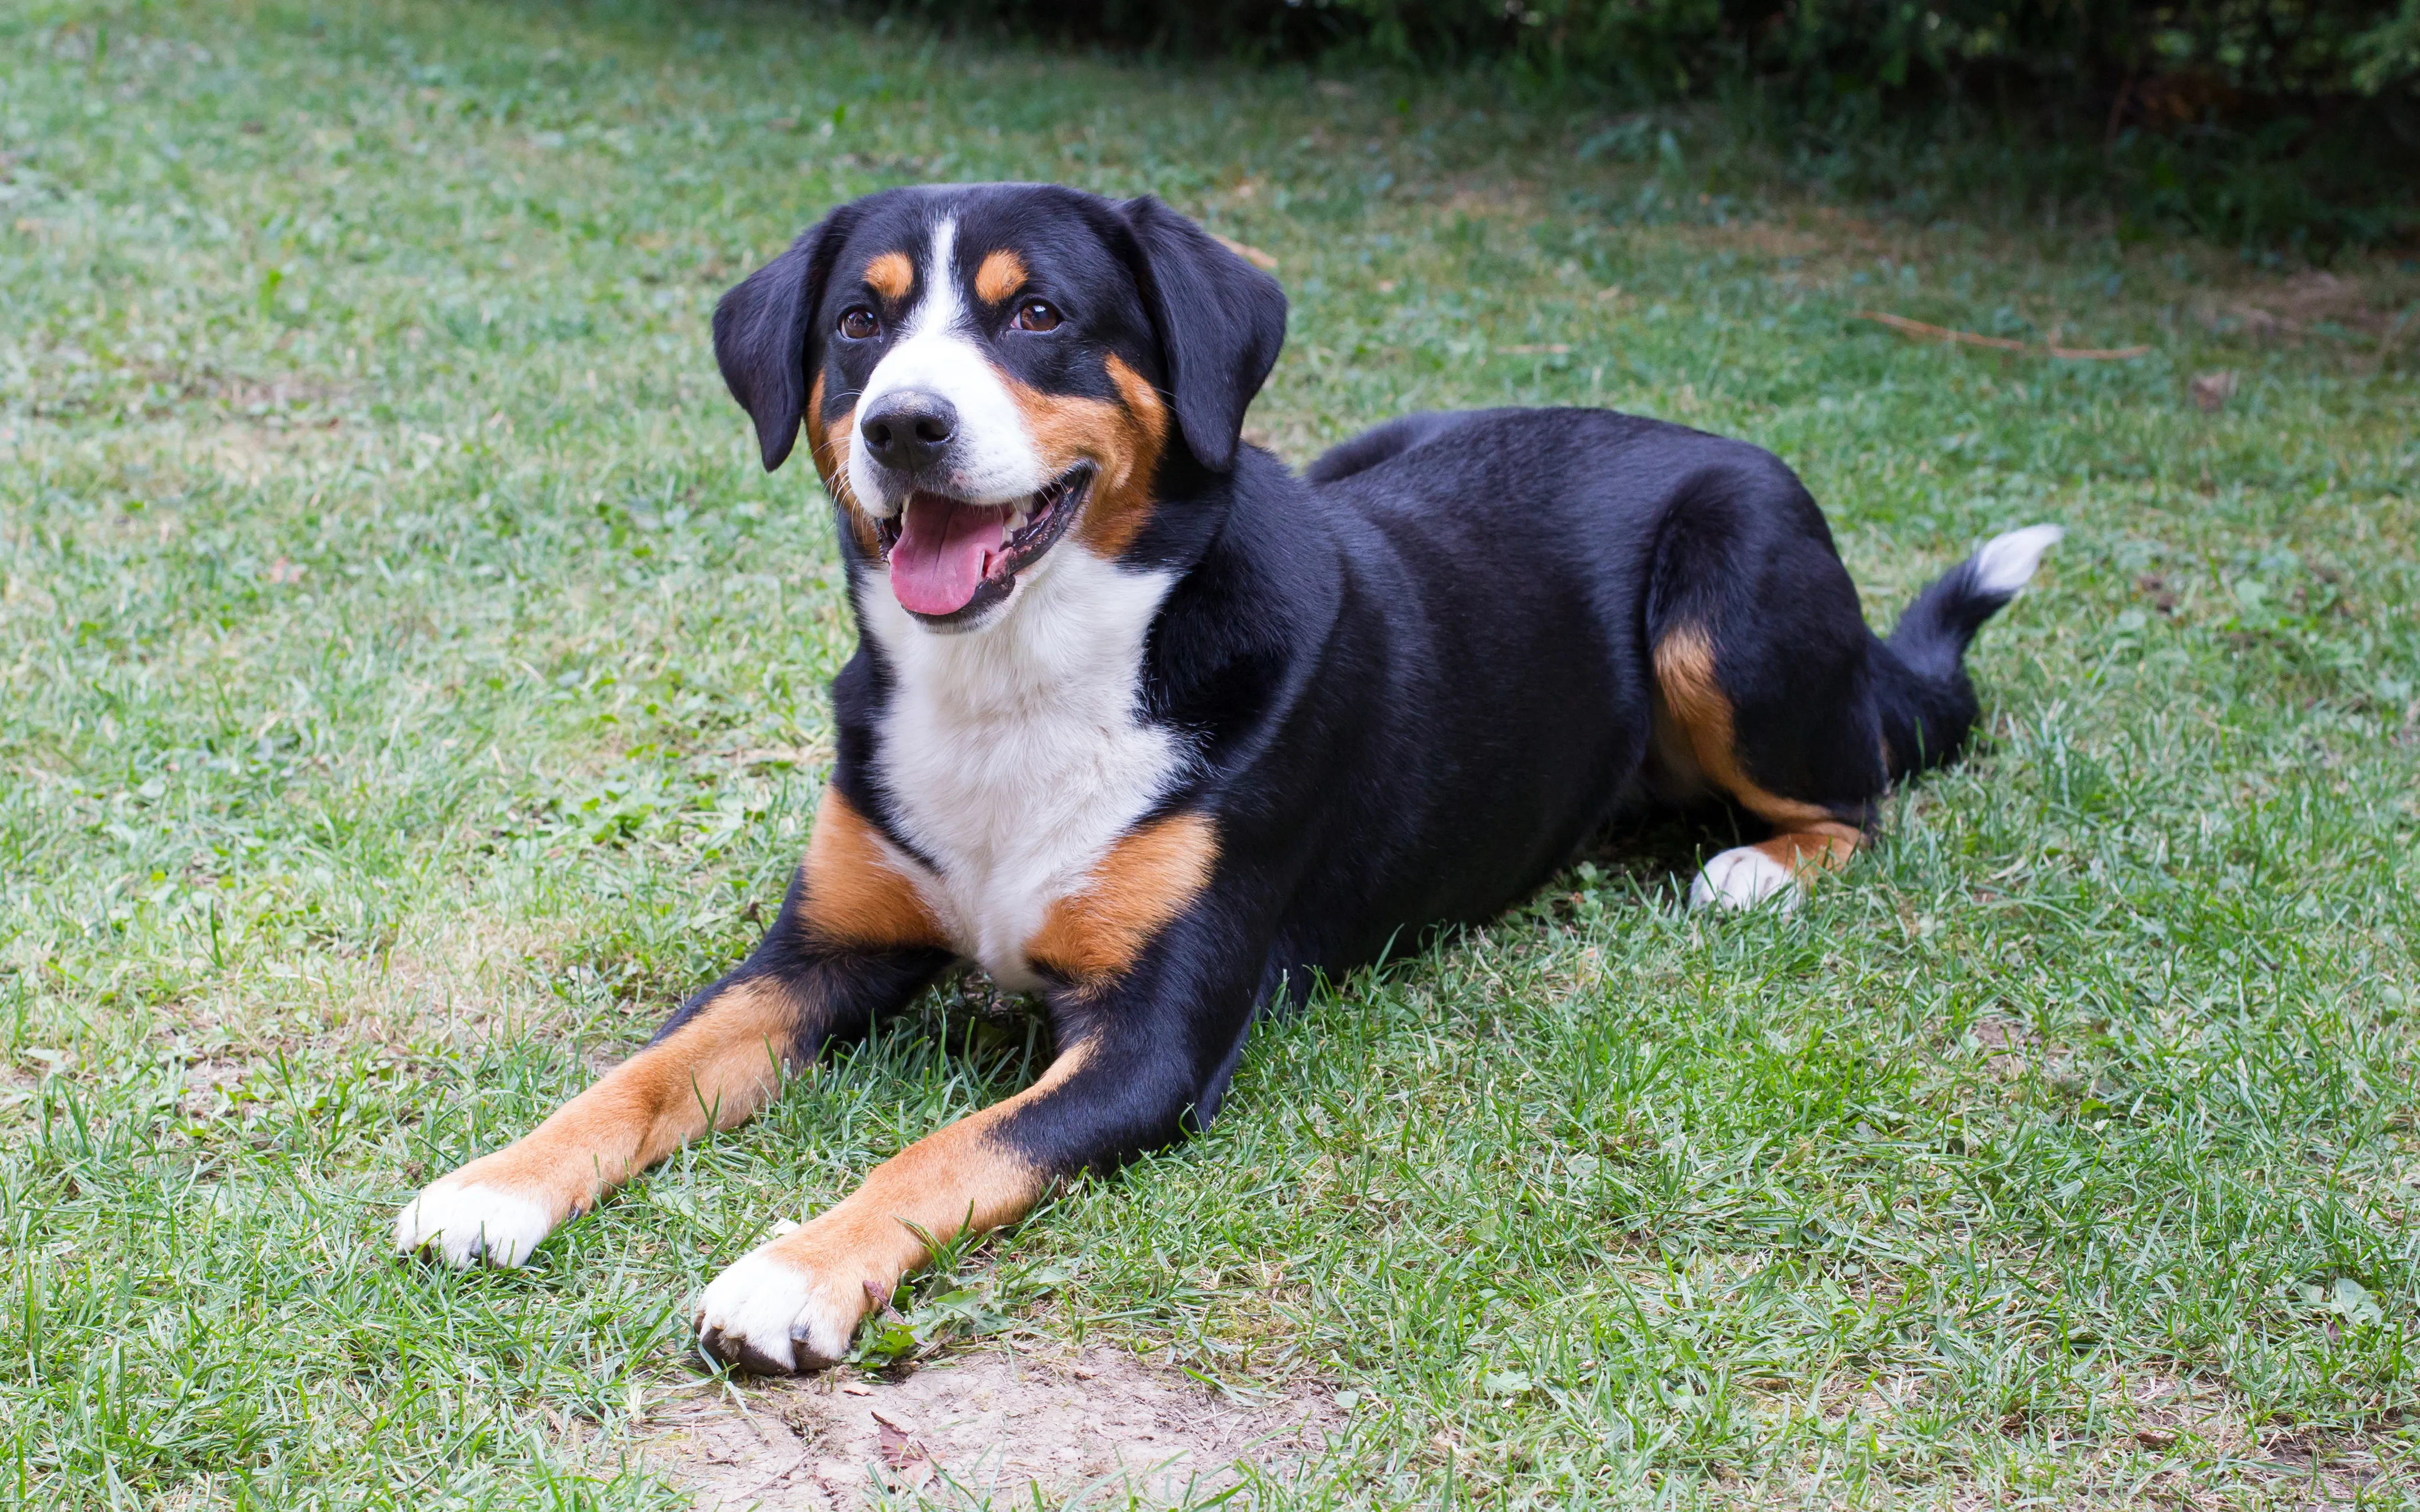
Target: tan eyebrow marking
1002,273
890,275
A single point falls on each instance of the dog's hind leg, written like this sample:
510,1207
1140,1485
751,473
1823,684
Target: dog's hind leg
1808,837
852,941
1764,685
1770,688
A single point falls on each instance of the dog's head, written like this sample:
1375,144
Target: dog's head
989,373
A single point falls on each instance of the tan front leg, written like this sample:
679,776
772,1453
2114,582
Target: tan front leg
852,939
793,1303
713,1072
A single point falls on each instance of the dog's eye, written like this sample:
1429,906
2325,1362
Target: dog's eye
1037,314
857,323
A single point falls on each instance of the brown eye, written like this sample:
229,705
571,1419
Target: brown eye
1037,314
857,323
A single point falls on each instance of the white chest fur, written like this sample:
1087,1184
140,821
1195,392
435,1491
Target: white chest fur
1015,755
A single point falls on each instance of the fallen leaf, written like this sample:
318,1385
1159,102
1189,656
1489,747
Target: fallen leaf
898,1450
2210,391
2353,1301
1926,331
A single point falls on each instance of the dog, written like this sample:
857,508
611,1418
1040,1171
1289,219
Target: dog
1145,724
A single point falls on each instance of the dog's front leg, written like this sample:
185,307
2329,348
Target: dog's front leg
851,942
1140,1057
713,1068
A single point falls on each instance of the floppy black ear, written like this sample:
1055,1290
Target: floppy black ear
764,338
1221,322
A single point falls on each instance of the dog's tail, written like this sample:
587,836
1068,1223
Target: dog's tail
1927,704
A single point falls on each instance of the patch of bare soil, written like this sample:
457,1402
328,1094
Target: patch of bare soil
1813,246
2008,1046
2311,300
990,1428
1806,233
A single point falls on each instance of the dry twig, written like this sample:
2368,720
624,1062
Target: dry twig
1924,331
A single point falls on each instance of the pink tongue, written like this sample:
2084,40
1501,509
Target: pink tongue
943,550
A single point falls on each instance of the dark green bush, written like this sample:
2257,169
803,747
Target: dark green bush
2174,60
2263,121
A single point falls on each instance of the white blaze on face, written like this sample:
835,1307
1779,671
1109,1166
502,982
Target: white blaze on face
993,461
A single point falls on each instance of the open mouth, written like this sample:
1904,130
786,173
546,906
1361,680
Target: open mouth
951,560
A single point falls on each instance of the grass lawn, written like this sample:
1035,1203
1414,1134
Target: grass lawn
411,685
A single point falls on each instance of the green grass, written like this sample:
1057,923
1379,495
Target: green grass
409,684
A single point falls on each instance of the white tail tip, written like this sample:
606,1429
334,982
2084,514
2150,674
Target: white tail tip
2007,563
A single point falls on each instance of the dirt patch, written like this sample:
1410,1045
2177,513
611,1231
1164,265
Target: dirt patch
1807,233
2312,301
1094,1427
236,391
2008,1047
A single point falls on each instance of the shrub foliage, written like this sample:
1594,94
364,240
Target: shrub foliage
2262,120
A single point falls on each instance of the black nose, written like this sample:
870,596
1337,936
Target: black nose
908,429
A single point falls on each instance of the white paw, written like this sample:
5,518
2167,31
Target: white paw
471,1222
768,1314
1744,878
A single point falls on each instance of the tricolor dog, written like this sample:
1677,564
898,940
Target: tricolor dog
1146,724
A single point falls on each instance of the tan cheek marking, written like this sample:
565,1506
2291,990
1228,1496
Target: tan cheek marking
854,894
1114,528
719,1064
829,446
1142,398
1684,674
817,437
1145,881
890,275
954,1180
1066,430
1002,273
1121,440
